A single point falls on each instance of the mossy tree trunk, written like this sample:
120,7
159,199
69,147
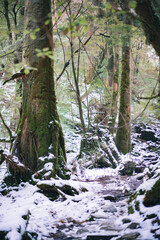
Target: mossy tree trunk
123,134
39,137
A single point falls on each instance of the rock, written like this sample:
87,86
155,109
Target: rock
152,197
148,135
52,189
126,220
100,216
101,237
138,127
139,168
134,225
109,226
150,216
81,231
128,168
109,208
129,236
140,176
3,234
110,197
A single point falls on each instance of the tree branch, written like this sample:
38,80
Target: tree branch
7,128
149,98
68,62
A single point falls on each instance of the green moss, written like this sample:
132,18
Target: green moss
130,210
152,197
137,205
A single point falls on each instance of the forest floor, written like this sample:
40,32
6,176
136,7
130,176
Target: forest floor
98,211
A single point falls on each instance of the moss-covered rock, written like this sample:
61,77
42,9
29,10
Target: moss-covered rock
152,197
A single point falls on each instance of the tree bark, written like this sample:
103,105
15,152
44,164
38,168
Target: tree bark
149,15
39,136
123,134
114,102
6,14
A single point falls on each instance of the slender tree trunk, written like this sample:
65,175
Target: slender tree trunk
114,102
6,14
39,137
110,66
123,135
76,74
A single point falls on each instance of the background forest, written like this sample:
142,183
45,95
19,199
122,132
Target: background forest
79,100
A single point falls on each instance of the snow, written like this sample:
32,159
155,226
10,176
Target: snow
87,213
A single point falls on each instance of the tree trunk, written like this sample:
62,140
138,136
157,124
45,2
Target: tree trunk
39,136
114,102
110,66
6,14
123,135
149,15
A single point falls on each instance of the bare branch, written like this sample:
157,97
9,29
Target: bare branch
149,98
7,128
68,62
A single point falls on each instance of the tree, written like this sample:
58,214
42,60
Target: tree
39,136
113,113
6,14
123,134
149,15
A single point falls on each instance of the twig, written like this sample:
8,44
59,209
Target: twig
68,62
8,130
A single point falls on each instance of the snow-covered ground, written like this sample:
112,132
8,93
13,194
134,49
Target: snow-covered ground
99,209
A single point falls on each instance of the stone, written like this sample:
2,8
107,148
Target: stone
134,225
129,236
101,237
126,220
110,197
150,216
109,208
81,231
148,135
